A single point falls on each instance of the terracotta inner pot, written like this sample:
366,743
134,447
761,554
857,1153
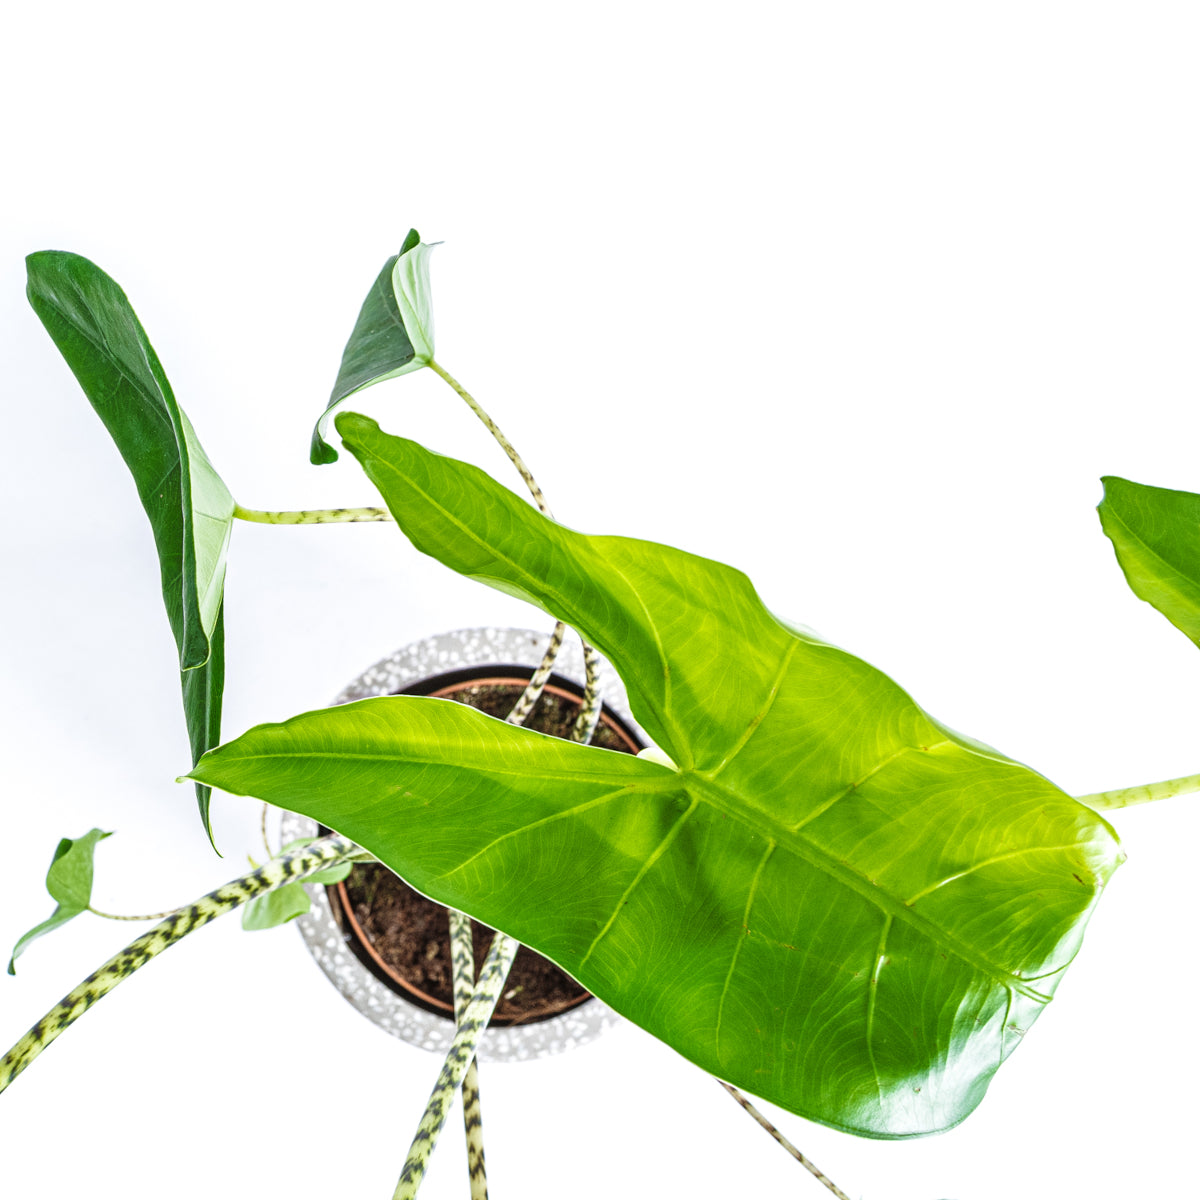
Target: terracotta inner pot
403,937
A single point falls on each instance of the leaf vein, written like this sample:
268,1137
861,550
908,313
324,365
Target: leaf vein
741,941
643,870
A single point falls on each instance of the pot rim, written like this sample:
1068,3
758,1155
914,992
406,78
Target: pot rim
440,655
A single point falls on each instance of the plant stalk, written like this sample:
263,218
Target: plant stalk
1144,793
463,952
806,1163
288,868
496,432
121,917
458,1059
312,516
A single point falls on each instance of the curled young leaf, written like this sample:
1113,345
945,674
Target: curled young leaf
190,509
392,336
829,899
69,882
1156,535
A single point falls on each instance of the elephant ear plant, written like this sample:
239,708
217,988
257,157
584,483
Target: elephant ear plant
809,887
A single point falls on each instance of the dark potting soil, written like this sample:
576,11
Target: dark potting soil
411,933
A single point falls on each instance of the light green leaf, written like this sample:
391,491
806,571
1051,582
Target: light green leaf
1156,535
410,282
190,509
291,900
834,902
276,908
69,882
392,336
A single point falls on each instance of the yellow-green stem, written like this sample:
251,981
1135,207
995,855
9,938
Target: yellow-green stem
496,432
1142,794
312,516
142,917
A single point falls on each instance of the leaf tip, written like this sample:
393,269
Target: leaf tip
350,423
320,451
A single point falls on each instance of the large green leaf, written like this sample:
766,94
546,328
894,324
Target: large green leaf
69,882
1156,534
392,336
190,509
831,900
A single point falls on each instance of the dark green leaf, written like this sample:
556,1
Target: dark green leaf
381,346
1156,534
831,901
69,882
190,509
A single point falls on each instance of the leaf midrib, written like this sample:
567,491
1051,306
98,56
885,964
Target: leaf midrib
1171,572
729,803
103,350
533,584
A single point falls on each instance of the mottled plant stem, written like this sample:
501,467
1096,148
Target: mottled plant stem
537,681
458,1059
463,958
312,516
121,917
288,868
1185,785
496,432
806,1163
589,710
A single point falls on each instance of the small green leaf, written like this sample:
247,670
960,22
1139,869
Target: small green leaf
392,336
190,509
290,901
1156,535
69,881
276,908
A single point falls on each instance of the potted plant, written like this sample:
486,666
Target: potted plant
806,885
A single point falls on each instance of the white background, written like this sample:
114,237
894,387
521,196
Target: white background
861,298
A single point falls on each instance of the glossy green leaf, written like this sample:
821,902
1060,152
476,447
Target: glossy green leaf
1156,535
834,902
392,336
69,882
190,509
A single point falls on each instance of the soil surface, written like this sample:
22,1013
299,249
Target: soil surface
411,933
